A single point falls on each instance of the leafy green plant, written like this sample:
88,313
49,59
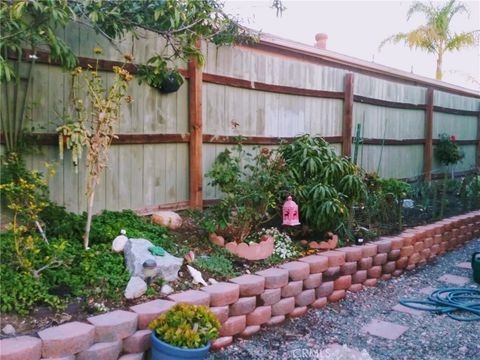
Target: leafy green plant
473,191
323,184
216,264
252,187
186,326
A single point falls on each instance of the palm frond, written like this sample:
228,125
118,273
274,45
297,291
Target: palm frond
422,38
463,39
421,7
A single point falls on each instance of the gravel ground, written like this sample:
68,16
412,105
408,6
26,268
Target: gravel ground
429,336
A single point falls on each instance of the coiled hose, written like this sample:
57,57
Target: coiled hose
449,301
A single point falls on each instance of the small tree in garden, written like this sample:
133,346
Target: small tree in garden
447,152
324,185
91,123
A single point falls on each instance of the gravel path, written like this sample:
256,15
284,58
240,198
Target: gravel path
429,336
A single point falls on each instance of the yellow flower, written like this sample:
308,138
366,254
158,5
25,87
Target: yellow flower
98,50
128,57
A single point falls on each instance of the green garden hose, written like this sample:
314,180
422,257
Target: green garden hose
449,301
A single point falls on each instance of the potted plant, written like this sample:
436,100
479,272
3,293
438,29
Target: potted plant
183,332
159,76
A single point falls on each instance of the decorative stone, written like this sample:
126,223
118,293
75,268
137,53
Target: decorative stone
250,285
233,326
260,315
298,312
169,219
352,253
293,288
359,277
397,243
221,312
276,320
166,289
66,339
136,287
115,325
317,263
313,281
305,298
386,277
217,240
136,253
355,288
8,329
325,289
252,251
274,277
243,306
320,303
383,246
283,307
195,297
394,255
221,342
332,273
380,259
335,258
249,331
119,243
370,282
337,295
269,297
374,272
150,311
102,351
343,282
401,263
349,268
297,270
369,250
21,347
365,263
389,267
222,293
384,329
138,342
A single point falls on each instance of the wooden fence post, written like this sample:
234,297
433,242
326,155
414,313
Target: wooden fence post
196,133
477,158
347,116
428,149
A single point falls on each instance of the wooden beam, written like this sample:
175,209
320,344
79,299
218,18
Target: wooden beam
278,89
122,139
389,104
182,205
347,116
196,143
258,140
477,158
428,150
445,110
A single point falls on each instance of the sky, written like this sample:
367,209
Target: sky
356,28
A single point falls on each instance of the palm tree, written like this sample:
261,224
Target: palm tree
436,36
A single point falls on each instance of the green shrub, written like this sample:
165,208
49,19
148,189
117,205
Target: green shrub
323,184
186,326
447,150
217,264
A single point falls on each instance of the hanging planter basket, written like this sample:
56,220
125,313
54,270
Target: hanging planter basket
170,83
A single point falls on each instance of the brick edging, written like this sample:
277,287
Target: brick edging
246,303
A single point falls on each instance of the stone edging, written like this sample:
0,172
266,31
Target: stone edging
247,302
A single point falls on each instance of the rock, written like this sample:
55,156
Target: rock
136,253
8,329
212,281
217,240
168,219
166,289
136,287
119,243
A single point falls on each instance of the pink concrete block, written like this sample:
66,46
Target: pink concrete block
221,342
313,281
66,339
325,289
269,297
283,307
138,342
274,277
243,306
233,326
297,270
115,325
317,263
221,312
133,356
305,298
250,285
293,288
335,258
101,351
222,293
149,311
21,347
352,253
337,295
369,250
249,331
260,315
195,297
298,312
276,320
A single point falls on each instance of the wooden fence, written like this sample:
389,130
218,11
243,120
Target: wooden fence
265,92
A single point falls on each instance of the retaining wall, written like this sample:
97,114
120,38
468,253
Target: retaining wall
246,303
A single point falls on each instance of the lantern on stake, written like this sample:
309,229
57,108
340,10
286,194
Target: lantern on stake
290,213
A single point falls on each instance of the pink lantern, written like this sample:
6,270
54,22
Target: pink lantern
290,213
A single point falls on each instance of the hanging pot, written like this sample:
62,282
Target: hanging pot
171,82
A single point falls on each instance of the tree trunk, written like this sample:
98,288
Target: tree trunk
91,198
439,73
